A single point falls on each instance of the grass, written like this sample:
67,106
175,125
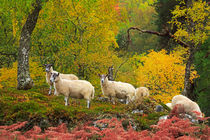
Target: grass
37,107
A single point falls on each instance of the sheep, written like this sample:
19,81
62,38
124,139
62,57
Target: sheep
189,106
169,105
78,89
49,70
141,92
119,90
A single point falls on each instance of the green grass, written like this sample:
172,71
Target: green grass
35,105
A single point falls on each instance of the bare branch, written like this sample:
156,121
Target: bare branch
166,33
115,75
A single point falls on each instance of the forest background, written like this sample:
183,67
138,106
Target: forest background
85,37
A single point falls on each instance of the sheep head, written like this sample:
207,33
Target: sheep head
54,77
102,77
48,67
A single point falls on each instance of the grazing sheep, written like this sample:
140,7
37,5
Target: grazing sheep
49,70
189,105
119,90
169,105
141,92
79,89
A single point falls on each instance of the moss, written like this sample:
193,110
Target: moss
37,107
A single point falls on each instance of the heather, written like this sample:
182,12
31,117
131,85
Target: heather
33,114
173,128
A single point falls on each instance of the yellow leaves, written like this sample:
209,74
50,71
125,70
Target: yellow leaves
163,73
193,75
181,32
8,76
14,23
191,21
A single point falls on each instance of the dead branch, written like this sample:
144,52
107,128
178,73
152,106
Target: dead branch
166,33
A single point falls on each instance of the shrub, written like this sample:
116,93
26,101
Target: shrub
165,129
8,76
163,74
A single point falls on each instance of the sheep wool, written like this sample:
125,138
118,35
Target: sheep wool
141,92
120,90
49,70
79,89
190,107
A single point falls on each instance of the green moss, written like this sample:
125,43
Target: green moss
36,105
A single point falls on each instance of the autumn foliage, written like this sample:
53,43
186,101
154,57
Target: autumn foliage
174,128
163,74
8,76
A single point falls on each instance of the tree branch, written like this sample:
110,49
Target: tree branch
166,33
115,75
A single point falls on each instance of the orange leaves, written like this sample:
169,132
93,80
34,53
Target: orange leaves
163,73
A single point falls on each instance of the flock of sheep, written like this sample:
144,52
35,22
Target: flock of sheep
69,85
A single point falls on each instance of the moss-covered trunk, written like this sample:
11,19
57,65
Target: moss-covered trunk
23,76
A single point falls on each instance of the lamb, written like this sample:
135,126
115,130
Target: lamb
141,92
78,89
190,107
114,89
49,70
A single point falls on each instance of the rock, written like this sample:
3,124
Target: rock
159,108
163,117
137,111
103,99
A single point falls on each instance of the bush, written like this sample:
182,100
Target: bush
165,129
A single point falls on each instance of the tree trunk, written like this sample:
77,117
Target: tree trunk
188,85
23,76
110,73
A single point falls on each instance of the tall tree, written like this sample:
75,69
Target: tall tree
191,33
78,36
163,9
23,76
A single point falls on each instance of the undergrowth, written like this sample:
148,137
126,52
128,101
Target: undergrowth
38,108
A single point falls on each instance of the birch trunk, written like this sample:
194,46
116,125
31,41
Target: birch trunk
23,76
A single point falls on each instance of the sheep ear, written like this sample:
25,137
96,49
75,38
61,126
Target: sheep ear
45,65
106,75
99,75
58,74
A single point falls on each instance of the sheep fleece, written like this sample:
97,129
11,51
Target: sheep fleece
75,88
142,92
118,89
188,105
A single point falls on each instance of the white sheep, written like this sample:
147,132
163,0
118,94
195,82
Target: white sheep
114,89
189,105
141,92
49,70
79,89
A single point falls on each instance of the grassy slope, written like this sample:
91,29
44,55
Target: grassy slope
37,107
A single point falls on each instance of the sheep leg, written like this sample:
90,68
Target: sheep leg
66,100
50,90
112,100
126,101
55,92
88,103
